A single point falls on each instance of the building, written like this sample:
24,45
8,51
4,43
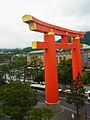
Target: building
85,56
37,53
64,54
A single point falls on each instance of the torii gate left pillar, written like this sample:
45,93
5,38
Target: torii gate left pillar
51,79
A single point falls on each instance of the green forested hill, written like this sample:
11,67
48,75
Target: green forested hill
85,40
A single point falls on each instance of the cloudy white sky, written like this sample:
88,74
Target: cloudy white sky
73,14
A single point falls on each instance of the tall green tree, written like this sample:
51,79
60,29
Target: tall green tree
19,61
86,77
76,95
4,69
3,73
36,66
19,65
17,99
65,71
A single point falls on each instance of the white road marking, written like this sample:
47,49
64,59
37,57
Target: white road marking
69,109
87,103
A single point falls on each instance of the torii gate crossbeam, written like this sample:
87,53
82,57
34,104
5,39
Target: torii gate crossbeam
43,27
49,46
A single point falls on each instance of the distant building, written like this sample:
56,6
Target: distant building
38,53
64,54
85,56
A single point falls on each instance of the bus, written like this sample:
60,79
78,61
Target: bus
40,87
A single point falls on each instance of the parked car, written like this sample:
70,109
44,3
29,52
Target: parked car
87,94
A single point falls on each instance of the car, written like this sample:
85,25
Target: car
59,90
67,91
87,94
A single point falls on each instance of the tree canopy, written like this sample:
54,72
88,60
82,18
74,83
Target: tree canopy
76,95
40,114
65,71
17,99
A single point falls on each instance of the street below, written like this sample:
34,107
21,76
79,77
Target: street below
69,107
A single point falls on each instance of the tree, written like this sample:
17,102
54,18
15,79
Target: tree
17,99
65,71
4,69
19,65
19,61
2,81
3,73
86,77
76,95
39,114
5,58
40,77
36,65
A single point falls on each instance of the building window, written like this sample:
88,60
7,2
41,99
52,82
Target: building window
60,58
89,58
57,59
64,58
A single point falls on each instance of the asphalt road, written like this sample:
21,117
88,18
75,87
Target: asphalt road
69,107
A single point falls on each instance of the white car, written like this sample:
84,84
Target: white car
87,94
60,90
67,91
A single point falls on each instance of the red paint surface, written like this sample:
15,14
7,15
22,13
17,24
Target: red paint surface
49,46
51,79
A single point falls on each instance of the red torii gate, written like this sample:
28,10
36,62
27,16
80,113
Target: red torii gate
49,45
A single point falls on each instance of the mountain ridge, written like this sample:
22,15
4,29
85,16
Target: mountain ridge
85,40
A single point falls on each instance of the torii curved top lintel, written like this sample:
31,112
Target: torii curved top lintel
40,26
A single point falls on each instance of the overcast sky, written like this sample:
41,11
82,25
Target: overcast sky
73,14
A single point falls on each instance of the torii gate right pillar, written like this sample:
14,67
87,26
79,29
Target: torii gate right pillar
76,58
